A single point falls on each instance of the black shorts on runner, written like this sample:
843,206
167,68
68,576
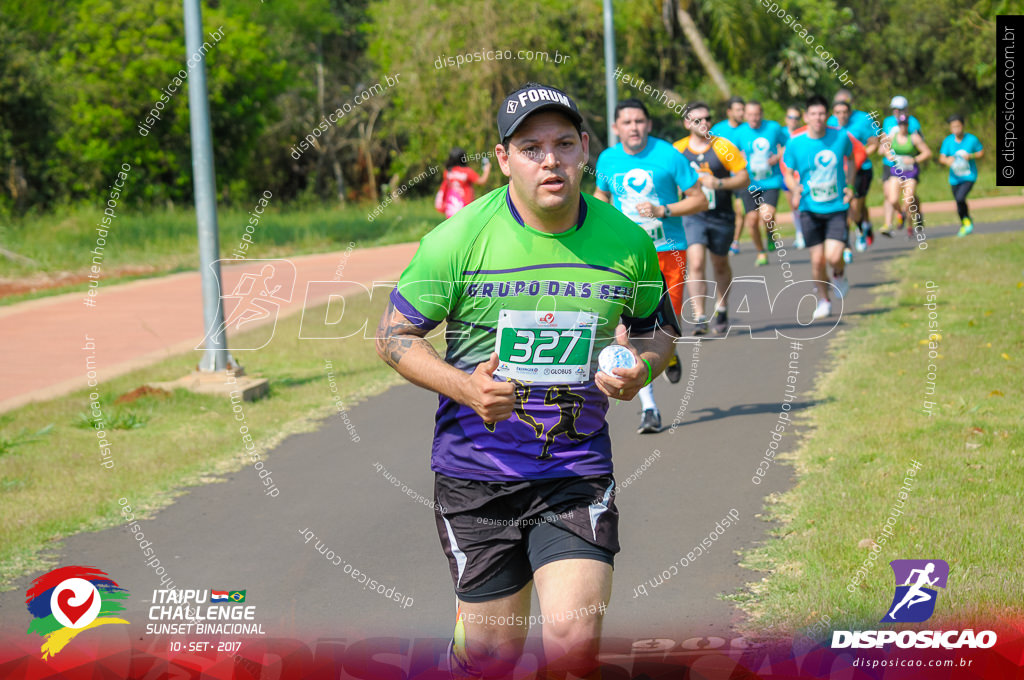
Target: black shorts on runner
767,196
862,182
715,235
818,227
497,534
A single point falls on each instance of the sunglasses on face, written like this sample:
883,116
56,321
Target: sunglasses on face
704,118
793,117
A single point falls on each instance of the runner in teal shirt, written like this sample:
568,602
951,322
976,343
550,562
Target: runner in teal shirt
958,151
643,176
842,114
762,147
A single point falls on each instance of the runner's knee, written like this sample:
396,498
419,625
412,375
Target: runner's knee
495,649
572,648
577,636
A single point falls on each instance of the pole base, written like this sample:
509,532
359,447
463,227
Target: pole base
225,383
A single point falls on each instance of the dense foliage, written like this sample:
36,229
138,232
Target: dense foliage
78,78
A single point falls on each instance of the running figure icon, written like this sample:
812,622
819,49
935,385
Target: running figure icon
915,595
256,299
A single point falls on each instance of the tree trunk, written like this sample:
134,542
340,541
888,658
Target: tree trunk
696,40
339,177
367,135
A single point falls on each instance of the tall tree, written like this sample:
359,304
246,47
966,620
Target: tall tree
117,64
697,43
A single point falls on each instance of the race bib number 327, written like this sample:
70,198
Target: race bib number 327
545,347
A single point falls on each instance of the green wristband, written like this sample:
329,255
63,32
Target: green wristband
650,372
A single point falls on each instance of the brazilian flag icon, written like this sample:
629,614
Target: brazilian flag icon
237,596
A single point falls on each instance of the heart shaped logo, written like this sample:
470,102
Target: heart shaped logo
73,612
70,600
75,603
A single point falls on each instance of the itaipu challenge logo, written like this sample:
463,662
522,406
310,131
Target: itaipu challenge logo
70,600
914,601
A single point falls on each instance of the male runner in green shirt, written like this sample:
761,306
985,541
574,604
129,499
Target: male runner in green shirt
531,290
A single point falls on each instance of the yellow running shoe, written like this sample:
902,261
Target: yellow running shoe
459,665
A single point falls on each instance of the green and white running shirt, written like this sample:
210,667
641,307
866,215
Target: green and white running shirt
548,304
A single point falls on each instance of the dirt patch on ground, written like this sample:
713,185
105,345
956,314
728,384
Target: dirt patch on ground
140,392
47,281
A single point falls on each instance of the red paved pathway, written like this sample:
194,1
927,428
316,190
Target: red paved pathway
139,323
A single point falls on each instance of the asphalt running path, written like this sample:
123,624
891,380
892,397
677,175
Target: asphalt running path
230,535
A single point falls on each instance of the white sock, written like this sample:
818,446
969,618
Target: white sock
647,398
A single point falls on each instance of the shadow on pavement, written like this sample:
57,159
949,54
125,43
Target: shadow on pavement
715,413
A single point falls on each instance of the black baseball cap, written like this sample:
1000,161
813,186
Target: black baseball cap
530,99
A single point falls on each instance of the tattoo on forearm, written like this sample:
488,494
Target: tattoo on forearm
396,336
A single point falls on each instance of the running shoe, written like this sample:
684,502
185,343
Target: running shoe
842,283
798,242
862,242
650,422
762,259
459,666
674,371
701,327
899,220
869,233
721,322
966,228
734,248
771,243
886,231
823,310
847,255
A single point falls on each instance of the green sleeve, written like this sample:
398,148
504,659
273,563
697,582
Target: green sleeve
650,284
428,288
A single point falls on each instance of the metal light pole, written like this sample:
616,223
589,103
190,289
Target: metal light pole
609,69
216,356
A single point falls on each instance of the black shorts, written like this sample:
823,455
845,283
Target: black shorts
496,534
818,227
715,233
862,182
767,196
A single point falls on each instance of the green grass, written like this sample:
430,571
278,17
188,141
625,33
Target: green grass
52,484
869,425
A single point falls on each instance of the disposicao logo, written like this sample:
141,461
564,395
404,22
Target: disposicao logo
69,600
914,601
